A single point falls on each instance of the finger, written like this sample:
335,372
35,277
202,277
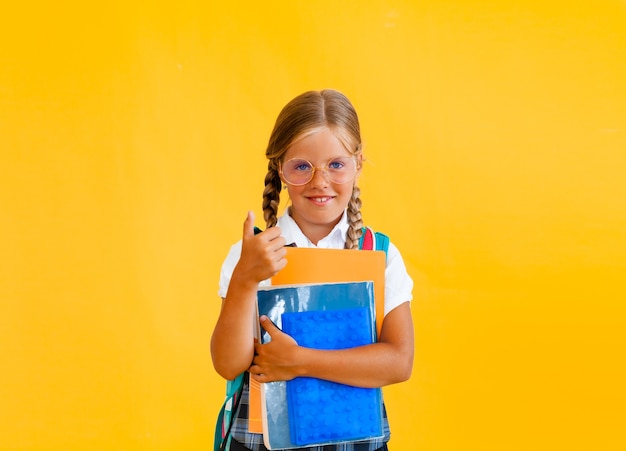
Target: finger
277,244
280,265
274,235
248,226
259,377
268,325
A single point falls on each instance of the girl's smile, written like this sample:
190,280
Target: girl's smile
319,200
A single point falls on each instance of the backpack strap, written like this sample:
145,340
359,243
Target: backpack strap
225,418
373,240
367,239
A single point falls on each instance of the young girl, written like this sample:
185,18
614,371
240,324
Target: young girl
314,151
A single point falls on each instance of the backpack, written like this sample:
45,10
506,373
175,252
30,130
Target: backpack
369,240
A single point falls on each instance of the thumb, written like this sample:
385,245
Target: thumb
248,225
268,325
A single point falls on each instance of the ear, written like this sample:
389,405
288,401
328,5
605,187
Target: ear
359,164
282,180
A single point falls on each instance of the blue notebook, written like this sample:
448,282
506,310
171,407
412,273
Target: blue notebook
321,411
309,411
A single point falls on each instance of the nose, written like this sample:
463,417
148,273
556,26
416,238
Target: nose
320,177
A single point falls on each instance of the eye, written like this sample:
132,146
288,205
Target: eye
337,164
303,167
299,165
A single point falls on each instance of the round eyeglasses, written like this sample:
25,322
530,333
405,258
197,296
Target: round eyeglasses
299,171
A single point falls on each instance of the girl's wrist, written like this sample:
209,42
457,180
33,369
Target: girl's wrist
245,281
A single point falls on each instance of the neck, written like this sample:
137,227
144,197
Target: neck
314,232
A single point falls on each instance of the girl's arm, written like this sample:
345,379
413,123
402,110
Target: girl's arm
232,342
388,361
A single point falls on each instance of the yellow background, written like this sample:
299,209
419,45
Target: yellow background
132,138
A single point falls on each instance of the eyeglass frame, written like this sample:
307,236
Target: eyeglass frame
324,170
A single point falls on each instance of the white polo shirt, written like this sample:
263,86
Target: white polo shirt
398,283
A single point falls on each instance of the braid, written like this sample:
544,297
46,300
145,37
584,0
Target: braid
355,220
271,195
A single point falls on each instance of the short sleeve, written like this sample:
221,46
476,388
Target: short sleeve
228,266
398,283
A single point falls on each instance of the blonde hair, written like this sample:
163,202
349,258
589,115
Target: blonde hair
306,114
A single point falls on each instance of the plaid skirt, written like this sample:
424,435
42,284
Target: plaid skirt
236,446
242,440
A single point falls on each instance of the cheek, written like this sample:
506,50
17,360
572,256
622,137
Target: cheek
293,191
345,193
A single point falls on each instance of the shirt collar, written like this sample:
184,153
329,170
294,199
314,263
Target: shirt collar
336,239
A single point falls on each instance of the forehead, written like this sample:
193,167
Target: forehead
319,146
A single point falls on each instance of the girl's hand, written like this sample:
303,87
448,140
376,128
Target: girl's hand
276,360
262,255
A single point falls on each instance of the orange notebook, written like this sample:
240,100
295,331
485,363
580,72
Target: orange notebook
313,265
